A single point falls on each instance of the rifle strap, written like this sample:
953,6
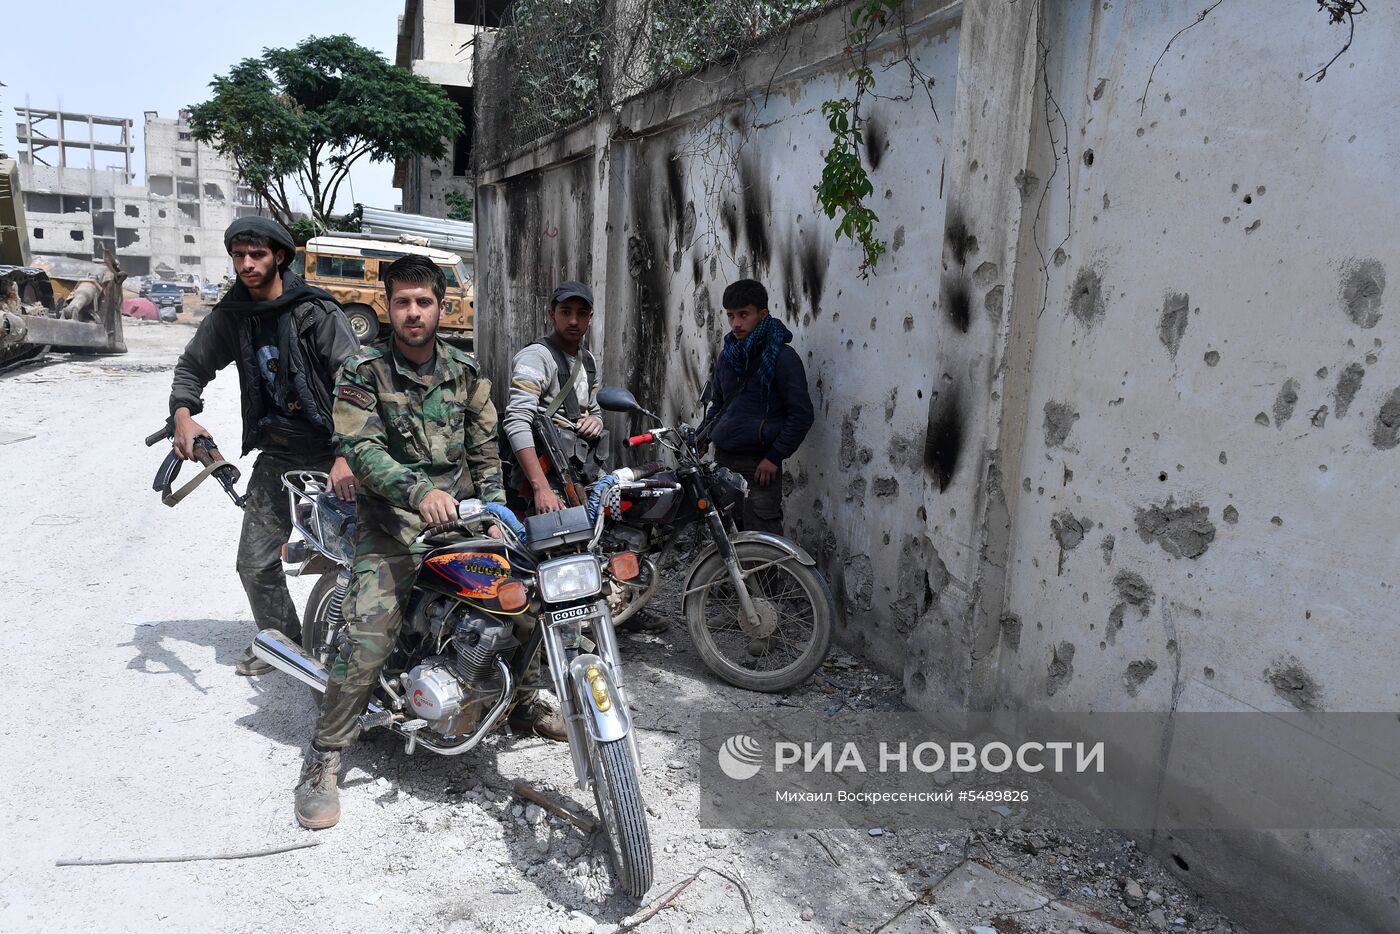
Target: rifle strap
566,391
172,499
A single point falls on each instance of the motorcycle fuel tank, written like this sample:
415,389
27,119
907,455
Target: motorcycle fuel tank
474,571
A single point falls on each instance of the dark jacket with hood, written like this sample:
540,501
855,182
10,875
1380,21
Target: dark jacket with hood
765,422
313,338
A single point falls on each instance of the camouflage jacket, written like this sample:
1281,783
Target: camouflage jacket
406,434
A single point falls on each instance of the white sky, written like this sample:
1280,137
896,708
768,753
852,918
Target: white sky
120,58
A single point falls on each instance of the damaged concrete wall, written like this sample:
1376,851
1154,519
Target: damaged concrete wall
705,182
1202,518
1111,427
543,226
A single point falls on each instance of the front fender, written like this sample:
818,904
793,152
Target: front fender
798,553
603,725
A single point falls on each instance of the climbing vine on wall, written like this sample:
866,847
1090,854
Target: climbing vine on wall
845,185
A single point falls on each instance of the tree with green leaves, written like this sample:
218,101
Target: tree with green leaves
304,116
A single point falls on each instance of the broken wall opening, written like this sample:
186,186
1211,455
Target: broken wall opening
189,213
213,191
37,202
126,237
163,185
462,145
187,190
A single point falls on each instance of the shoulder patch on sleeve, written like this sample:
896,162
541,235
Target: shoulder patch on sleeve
354,395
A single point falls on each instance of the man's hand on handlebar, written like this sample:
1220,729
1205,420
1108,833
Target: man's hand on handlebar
438,508
186,430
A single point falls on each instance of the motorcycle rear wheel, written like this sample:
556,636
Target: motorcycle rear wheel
618,793
313,619
794,595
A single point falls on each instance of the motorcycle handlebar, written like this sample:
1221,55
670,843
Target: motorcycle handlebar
642,471
646,438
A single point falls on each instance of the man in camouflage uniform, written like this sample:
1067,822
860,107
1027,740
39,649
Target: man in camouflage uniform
414,418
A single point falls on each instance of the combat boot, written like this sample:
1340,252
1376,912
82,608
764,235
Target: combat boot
318,800
534,715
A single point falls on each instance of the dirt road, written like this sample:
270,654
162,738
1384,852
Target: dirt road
129,735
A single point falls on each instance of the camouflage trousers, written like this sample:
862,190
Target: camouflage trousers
266,528
381,584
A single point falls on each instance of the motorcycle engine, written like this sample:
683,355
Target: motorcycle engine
453,692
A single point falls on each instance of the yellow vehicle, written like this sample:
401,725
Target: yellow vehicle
349,268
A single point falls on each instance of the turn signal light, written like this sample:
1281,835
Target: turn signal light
702,504
512,596
624,566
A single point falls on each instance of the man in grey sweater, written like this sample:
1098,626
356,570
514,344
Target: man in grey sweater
538,373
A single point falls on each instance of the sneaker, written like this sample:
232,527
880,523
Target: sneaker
250,666
538,717
318,799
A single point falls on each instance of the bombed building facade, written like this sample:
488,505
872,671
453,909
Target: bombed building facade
435,41
81,198
1104,429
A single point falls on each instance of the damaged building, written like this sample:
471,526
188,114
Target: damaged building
435,41
82,201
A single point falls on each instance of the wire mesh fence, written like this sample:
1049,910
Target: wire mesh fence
552,63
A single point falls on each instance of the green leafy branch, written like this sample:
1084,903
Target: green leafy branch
845,184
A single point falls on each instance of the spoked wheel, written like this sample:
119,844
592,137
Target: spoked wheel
315,620
795,611
624,817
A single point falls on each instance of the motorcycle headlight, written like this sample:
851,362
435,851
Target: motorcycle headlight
571,578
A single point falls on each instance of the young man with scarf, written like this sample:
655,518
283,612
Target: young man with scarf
288,341
758,406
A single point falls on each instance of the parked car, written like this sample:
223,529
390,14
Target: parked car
166,295
143,285
211,293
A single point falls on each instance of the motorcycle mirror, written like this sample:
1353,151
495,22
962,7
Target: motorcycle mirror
617,399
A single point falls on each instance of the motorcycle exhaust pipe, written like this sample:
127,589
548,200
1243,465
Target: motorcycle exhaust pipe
281,652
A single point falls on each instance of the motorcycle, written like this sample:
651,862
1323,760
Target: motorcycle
758,611
481,610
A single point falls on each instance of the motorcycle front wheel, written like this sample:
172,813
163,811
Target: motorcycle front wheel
795,608
618,793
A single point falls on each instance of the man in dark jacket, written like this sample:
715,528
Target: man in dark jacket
288,341
759,409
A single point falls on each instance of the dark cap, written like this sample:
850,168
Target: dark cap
572,289
275,233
